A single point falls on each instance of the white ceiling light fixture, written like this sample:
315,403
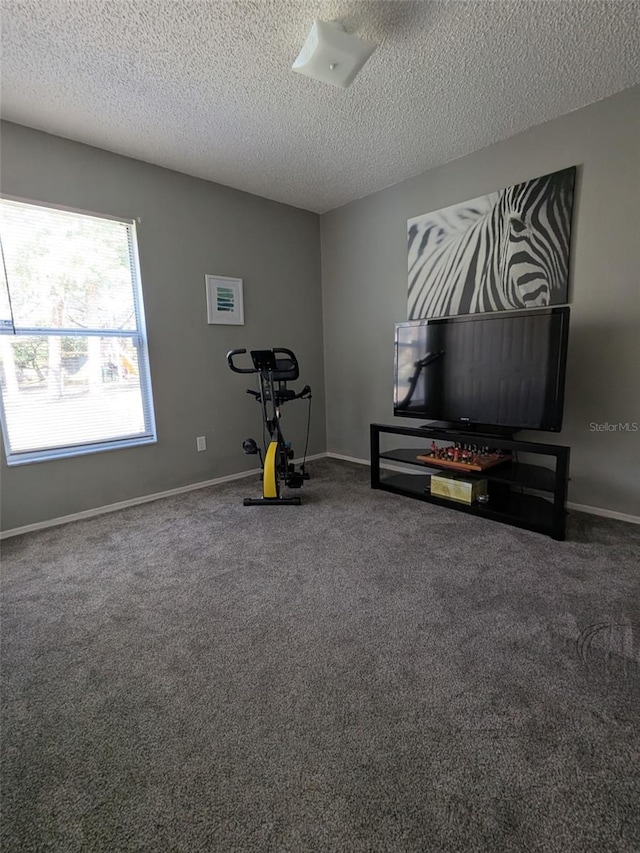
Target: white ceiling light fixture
331,55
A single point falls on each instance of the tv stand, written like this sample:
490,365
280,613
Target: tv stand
522,494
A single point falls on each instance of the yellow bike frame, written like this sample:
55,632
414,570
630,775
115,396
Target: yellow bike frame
270,485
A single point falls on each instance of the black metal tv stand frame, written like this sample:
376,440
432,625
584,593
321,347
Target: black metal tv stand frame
522,494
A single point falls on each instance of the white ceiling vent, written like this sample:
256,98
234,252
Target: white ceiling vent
331,55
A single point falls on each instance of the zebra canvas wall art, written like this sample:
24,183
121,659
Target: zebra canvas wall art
505,250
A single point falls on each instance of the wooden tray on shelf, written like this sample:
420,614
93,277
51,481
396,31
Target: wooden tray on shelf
479,464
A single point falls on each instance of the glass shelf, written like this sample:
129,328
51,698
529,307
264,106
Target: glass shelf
518,473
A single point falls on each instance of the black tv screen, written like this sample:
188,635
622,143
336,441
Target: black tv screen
501,370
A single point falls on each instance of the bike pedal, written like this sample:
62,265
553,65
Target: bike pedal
294,480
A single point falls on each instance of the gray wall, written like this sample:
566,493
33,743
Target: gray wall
189,227
364,276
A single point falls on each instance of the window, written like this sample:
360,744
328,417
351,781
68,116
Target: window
74,368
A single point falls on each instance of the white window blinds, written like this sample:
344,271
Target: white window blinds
74,367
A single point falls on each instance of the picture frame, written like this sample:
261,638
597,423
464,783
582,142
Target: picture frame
225,302
507,250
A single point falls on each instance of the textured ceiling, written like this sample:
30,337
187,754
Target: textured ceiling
206,87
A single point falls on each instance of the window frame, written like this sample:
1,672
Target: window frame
138,337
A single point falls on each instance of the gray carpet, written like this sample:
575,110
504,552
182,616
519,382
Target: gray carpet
362,673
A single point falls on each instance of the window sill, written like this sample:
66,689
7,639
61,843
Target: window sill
15,459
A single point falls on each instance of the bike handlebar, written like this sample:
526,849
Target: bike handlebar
287,352
230,356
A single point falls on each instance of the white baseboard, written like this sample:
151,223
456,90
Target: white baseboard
143,499
605,513
347,458
203,484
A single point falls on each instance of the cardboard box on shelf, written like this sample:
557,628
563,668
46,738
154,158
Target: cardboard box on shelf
455,489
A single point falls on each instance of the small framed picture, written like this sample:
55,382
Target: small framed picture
224,300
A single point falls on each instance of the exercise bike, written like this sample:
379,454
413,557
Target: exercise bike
274,367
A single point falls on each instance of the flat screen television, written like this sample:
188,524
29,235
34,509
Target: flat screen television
498,372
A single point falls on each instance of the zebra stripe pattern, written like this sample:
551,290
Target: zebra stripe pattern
506,250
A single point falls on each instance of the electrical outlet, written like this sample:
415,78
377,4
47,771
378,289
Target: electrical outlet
201,442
